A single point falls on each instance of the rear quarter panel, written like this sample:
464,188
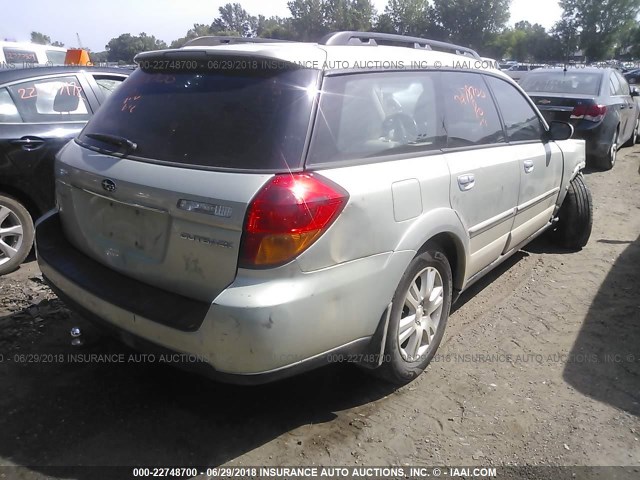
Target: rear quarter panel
395,205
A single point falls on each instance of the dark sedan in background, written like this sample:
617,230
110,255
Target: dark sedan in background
596,101
41,109
632,76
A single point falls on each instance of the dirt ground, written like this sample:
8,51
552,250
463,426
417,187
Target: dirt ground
540,365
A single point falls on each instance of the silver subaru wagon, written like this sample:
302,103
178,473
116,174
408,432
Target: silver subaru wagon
267,207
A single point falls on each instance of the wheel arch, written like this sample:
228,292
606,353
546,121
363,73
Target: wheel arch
443,228
453,249
23,198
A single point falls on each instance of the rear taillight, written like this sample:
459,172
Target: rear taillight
592,113
287,216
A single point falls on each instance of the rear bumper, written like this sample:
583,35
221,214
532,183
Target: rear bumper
257,330
597,139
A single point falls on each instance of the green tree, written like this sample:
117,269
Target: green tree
307,19
99,57
198,30
630,41
509,44
600,23
235,21
42,39
275,27
311,19
348,15
525,43
125,47
408,17
384,23
567,35
471,22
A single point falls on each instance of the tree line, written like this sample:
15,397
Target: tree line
601,29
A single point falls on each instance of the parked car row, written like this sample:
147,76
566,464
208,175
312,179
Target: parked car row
519,70
215,211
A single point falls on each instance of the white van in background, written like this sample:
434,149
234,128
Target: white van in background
16,55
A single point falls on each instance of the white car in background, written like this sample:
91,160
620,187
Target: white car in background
18,55
519,70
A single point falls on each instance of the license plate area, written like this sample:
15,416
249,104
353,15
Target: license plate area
125,231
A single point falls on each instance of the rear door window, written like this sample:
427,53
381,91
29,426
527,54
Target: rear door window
238,119
57,99
376,114
8,111
471,117
107,84
624,86
616,88
19,55
520,119
560,81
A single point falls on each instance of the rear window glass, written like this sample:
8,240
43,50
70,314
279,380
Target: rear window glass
18,55
562,82
56,57
249,119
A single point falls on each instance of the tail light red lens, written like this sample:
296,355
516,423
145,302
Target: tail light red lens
290,213
592,113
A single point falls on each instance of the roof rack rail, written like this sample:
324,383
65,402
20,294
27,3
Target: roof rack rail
376,38
213,40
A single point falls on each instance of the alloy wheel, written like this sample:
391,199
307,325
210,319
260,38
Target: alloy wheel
11,234
421,314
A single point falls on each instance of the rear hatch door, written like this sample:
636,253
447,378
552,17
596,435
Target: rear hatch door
157,185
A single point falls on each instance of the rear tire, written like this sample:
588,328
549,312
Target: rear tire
608,160
419,314
634,136
575,217
16,234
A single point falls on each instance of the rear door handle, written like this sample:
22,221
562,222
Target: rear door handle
528,166
466,181
28,143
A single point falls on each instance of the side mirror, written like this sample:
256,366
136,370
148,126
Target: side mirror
560,131
635,92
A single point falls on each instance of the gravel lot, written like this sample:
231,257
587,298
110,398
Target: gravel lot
540,365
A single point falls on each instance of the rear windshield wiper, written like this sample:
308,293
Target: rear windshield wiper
114,140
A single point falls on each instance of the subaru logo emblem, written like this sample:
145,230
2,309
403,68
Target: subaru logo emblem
109,185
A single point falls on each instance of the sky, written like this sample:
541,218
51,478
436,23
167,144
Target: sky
98,22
